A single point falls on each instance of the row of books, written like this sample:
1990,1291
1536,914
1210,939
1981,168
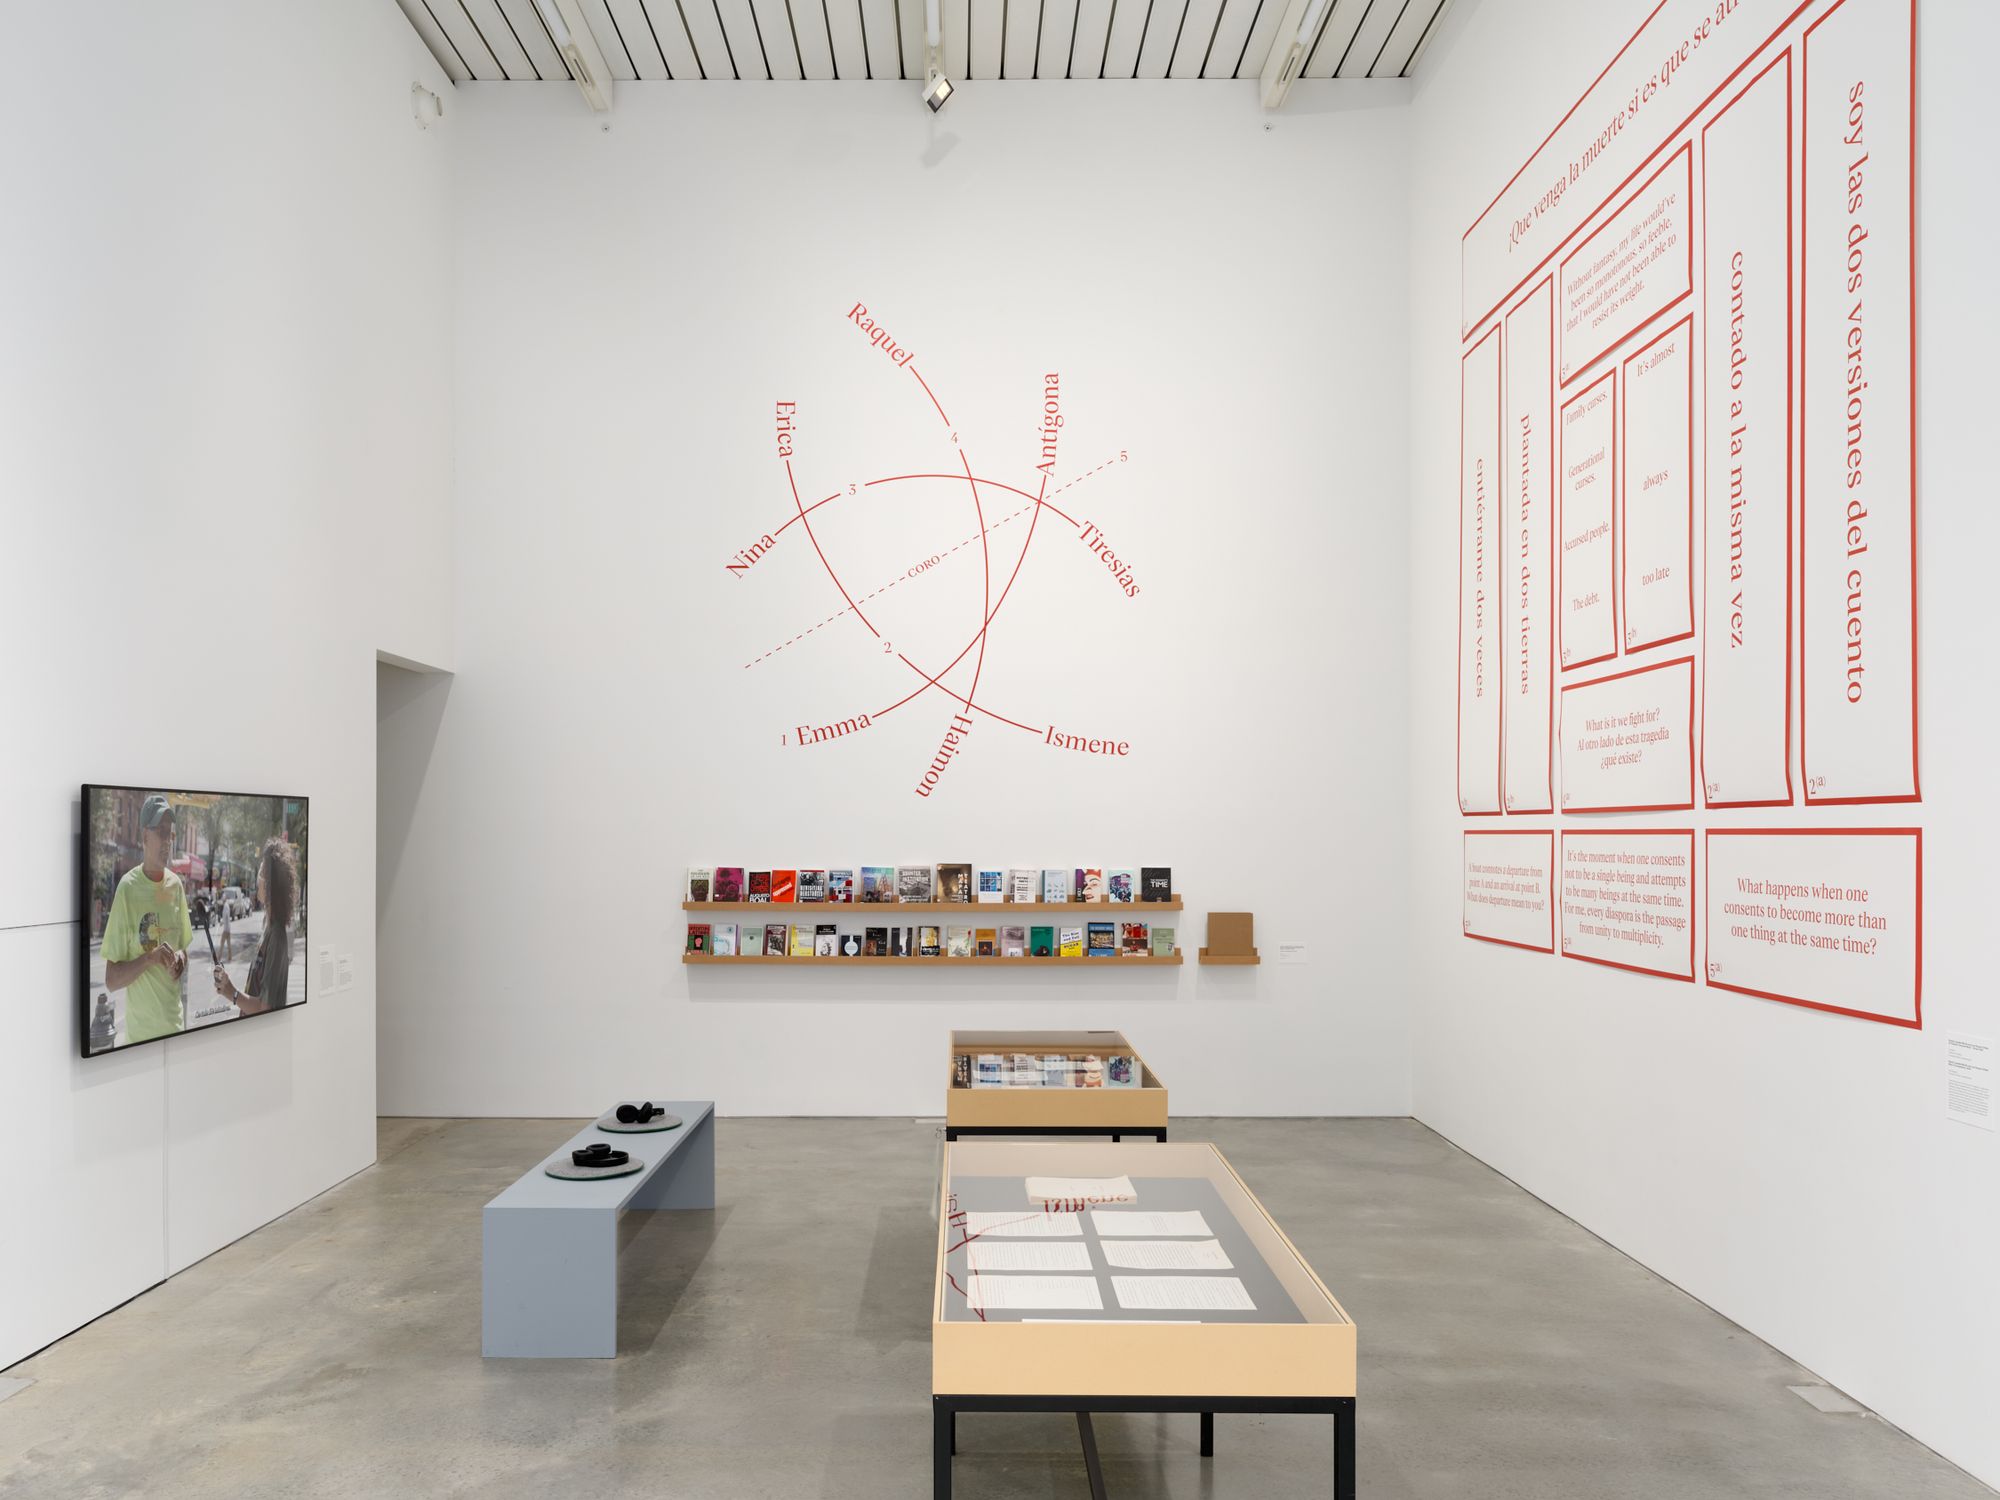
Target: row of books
1052,1070
963,883
828,940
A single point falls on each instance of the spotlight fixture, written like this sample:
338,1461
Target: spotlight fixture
570,31
937,88
1297,33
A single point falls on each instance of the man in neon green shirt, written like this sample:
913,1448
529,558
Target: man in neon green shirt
146,936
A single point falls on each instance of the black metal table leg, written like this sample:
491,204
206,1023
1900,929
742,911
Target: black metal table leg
941,1447
1208,1434
1091,1467
1343,1449
954,1434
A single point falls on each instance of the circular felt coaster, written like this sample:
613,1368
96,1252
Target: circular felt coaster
569,1171
611,1122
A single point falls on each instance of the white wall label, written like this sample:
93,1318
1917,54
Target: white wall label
1968,1081
1291,953
1627,740
1656,546
1589,624
1857,656
1479,572
1830,918
1530,467
1746,744
1628,899
1508,883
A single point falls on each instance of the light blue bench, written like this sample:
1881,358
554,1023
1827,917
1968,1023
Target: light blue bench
549,1248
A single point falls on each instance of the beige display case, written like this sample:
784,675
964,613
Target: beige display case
1293,1349
1112,1111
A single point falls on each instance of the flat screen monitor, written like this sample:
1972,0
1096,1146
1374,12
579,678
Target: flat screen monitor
193,911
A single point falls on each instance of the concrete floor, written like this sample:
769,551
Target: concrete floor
779,1346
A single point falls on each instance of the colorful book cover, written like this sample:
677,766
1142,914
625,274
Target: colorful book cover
1156,883
1057,888
826,941
902,942
1090,1072
758,885
1072,943
802,940
840,887
812,885
1132,939
751,943
992,887
1120,885
927,942
1042,942
954,883
913,882
1013,942
1103,941
989,1071
958,942
784,885
985,943
722,941
1121,1071
1022,887
697,937
699,884
878,883
728,884
850,945
1163,941
1089,885
875,944
777,939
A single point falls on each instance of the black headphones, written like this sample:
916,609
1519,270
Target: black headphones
639,1114
600,1154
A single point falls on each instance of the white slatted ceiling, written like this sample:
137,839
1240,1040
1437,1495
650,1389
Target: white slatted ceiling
658,40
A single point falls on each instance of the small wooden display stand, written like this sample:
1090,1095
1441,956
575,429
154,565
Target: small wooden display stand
1108,1111
1229,939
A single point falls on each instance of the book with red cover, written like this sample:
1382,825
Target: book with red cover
784,885
759,885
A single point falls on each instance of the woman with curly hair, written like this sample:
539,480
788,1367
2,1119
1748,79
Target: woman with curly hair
267,986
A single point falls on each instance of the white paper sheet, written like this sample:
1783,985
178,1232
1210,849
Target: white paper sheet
1027,1255
990,1292
1167,1255
1028,1224
1182,1293
1127,1222
1081,1190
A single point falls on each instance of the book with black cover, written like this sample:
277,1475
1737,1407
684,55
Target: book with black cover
876,943
812,885
758,886
1156,883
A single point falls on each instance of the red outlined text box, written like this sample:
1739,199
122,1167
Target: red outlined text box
1634,266
1587,530
1628,899
1747,283
1628,740
1507,887
1479,573
1857,406
1527,761
1828,918
1656,487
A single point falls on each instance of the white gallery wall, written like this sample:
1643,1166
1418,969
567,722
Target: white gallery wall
225,473
1222,299
1793,1168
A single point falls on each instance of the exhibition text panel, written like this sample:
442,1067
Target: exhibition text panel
1529,534
1508,881
1627,743
1478,573
1628,899
1589,445
1826,917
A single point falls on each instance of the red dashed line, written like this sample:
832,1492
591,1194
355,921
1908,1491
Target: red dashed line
894,581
